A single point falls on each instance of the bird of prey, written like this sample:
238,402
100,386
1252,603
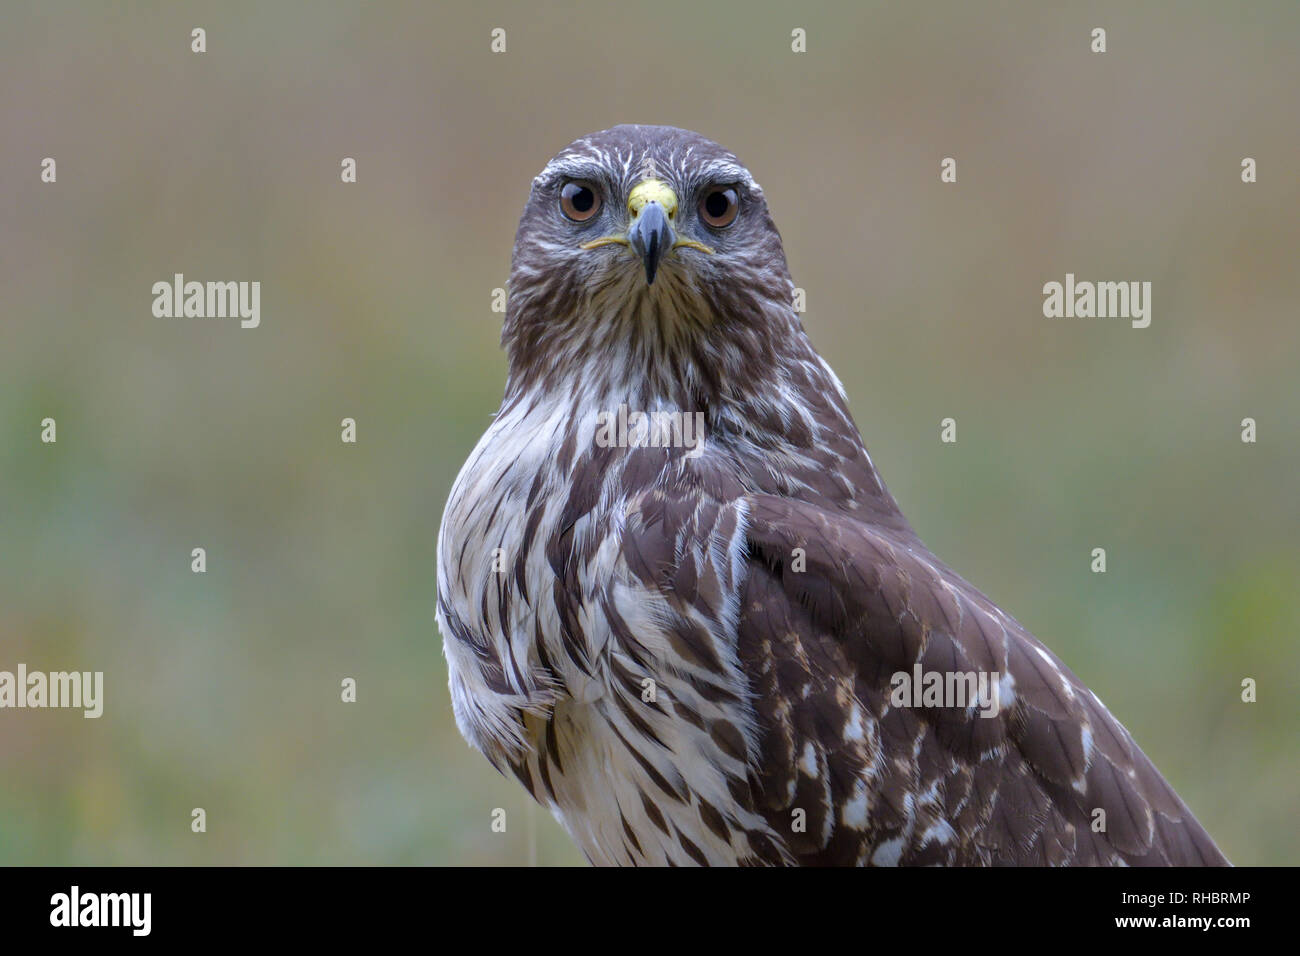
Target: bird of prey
679,604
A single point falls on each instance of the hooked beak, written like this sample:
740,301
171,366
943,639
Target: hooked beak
650,236
652,205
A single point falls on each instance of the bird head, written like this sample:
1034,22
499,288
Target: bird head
642,241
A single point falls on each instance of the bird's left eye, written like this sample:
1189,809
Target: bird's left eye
719,206
578,201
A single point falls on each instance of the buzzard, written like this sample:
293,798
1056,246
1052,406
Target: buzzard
679,604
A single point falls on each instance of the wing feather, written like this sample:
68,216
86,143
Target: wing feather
831,609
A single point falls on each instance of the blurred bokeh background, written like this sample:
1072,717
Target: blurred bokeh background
223,689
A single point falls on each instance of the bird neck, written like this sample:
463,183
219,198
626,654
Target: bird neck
668,348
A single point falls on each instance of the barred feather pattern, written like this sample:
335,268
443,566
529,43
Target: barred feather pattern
687,657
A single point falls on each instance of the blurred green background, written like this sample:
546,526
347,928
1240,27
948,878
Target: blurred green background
222,689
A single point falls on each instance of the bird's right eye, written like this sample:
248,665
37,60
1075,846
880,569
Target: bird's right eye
578,201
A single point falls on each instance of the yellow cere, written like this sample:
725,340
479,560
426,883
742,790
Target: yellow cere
645,192
652,190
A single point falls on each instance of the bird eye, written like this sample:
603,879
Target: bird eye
719,206
579,202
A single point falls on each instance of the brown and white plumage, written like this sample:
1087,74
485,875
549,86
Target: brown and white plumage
687,654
